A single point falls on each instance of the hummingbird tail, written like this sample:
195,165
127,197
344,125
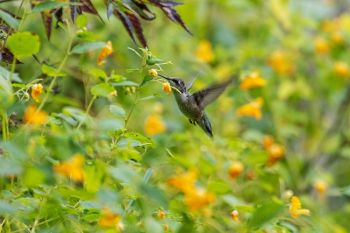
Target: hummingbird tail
205,124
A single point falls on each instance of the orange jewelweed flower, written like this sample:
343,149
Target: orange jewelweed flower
252,109
166,87
235,169
276,152
72,168
341,69
321,46
295,208
197,198
37,89
252,80
204,51
109,219
34,117
234,215
280,62
105,52
184,182
154,125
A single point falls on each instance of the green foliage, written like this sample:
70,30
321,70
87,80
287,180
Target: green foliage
91,143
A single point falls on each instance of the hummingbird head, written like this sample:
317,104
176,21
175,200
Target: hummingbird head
177,83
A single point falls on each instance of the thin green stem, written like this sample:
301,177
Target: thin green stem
87,110
5,129
53,81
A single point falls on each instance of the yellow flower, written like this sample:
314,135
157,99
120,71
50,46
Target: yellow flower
109,219
234,215
184,182
106,51
235,169
280,62
341,69
321,46
197,198
153,72
72,168
252,109
295,208
276,152
154,125
166,87
34,117
320,187
37,89
204,51
252,80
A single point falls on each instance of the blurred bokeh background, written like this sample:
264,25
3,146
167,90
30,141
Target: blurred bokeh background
281,130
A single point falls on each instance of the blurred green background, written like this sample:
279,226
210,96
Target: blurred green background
135,143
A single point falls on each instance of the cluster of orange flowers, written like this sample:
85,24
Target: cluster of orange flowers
110,219
72,168
195,198
335,30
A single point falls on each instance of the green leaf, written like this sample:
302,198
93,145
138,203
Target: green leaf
9,167
93,176
81,21
87,46
153,193
117,110
9,19
50,71
33,177
124,83
7,75
264,214
6,93
102,89
48,5
23,44
108,125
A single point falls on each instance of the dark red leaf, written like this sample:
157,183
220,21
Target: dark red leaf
47,20
75,10
137,28
142,10
7,56
126,22
174,16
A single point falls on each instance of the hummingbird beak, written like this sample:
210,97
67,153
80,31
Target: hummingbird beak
167,78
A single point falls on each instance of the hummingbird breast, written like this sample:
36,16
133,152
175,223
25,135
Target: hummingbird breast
188,106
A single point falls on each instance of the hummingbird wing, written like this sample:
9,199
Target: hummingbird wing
208,95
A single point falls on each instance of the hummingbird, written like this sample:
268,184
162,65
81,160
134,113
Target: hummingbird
193,105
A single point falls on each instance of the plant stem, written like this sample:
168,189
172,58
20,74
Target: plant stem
87,110
53,81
